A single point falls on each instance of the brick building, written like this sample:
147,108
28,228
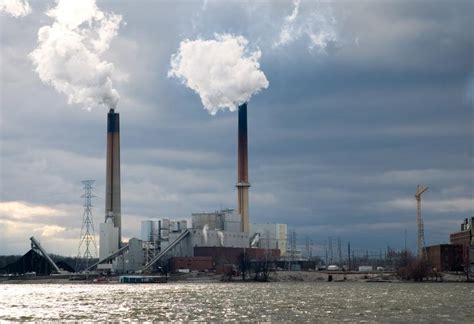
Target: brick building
231,255
465,238
201,263
445,257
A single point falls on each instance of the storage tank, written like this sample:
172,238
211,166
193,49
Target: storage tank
149,230
365,268
164,229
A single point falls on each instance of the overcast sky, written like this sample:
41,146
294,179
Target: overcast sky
366,100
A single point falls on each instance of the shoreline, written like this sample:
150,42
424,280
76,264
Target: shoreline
279,276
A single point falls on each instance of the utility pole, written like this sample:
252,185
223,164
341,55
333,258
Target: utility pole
405,241
339,250
87,239
330,250
306,247
349,255
419,220
326,252
292,247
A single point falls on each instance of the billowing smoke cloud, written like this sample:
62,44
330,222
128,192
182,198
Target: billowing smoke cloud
15,8
317,23
68,55
222,71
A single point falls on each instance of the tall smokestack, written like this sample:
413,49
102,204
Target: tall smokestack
242,173
112,187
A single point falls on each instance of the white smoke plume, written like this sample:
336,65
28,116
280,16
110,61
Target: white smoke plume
68,55
222,71
317,23
205,228
220,235
15,8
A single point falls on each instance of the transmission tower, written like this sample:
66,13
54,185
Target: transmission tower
326,251
293,245
330,250
87,247
349,255
419,221
339,250
307,248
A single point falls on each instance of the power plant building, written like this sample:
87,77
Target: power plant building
465,238
271,236
162,239
149,230
223,220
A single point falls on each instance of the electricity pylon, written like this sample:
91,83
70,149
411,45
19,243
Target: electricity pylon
87,240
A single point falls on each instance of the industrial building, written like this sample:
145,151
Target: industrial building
457,256
445,257
222,235
271,236
465,235
192,264
465,238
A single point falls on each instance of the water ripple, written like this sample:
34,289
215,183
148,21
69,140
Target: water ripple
264,302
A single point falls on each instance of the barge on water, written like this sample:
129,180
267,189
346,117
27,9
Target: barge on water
143,279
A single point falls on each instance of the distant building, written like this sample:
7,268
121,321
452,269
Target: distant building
159,229
465,235
223,220
272,236
465,238
196,263
149,230
445,257
218,229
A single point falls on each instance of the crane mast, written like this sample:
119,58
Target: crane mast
419,221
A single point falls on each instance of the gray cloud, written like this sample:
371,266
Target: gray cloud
334,141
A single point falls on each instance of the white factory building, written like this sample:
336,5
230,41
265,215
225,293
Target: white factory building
175,238
272,236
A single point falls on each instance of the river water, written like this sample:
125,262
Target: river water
267,302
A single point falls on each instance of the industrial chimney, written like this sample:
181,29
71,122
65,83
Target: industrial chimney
242,170
112,186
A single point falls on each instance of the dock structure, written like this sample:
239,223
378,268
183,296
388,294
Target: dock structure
143,279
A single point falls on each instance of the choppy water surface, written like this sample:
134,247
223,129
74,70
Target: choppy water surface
241,301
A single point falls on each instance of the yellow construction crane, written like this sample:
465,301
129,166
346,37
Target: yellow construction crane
419,221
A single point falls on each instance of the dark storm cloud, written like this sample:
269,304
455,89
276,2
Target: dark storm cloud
338,141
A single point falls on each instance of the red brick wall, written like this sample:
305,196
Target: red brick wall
446,257
195,263
462,238
230,255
